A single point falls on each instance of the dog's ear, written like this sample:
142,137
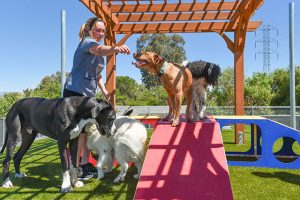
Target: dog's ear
97,109
157,59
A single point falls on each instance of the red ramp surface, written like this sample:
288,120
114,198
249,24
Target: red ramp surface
185,162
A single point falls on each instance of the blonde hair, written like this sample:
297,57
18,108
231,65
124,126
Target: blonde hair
82,34
87,27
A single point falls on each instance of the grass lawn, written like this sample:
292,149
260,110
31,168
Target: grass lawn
42,166
261,183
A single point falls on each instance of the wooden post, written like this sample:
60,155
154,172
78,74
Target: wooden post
111,76
239,80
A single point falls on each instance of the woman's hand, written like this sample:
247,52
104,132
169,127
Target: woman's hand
106,95
123,49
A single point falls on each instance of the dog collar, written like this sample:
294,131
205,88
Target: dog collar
162,69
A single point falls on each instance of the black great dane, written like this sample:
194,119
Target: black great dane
61,119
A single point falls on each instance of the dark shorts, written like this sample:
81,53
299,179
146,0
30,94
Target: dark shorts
69,93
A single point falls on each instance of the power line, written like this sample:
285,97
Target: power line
266,51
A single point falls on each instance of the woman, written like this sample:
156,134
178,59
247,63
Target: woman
85,76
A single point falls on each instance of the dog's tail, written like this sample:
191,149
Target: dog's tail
202,69
5,142
214,74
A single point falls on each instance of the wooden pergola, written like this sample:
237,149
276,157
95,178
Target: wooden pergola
169,16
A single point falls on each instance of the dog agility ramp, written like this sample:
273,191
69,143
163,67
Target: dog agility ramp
185,162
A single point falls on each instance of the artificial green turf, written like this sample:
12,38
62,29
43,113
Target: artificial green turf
264,183
261,183
42,166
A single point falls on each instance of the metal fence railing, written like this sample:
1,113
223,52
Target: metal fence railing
214,110
2,132
280,114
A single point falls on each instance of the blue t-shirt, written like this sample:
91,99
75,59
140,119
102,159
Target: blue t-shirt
86,69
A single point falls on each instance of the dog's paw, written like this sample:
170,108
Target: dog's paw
7,184
66,189
196,118
201,116
100,175
78,184
136,176
66,185
20,175
190,119
175,122
166,118
119,179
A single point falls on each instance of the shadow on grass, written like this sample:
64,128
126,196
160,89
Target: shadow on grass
42,166
45,181
227,142
283,176
116,190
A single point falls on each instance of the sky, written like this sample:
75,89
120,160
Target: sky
30,41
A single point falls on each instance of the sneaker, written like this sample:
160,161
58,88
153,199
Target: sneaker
83,175
89,168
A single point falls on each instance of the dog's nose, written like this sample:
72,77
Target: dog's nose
137,55
107,131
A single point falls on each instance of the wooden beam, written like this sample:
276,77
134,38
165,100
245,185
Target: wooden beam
123,40
244,7
229,42
90,5
172,7
154,17
125,0
104,8
180,27
241,8
256,5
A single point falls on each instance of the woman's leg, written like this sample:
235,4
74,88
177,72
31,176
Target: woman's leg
83,151
85,168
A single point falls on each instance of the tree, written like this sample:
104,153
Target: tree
153,96
7,101
281,87
223,94
297,87
49,87
258,91
170,47
127,90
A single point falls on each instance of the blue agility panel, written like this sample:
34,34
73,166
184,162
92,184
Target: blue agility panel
268,132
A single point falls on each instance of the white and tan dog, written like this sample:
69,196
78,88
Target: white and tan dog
128,143
99,143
